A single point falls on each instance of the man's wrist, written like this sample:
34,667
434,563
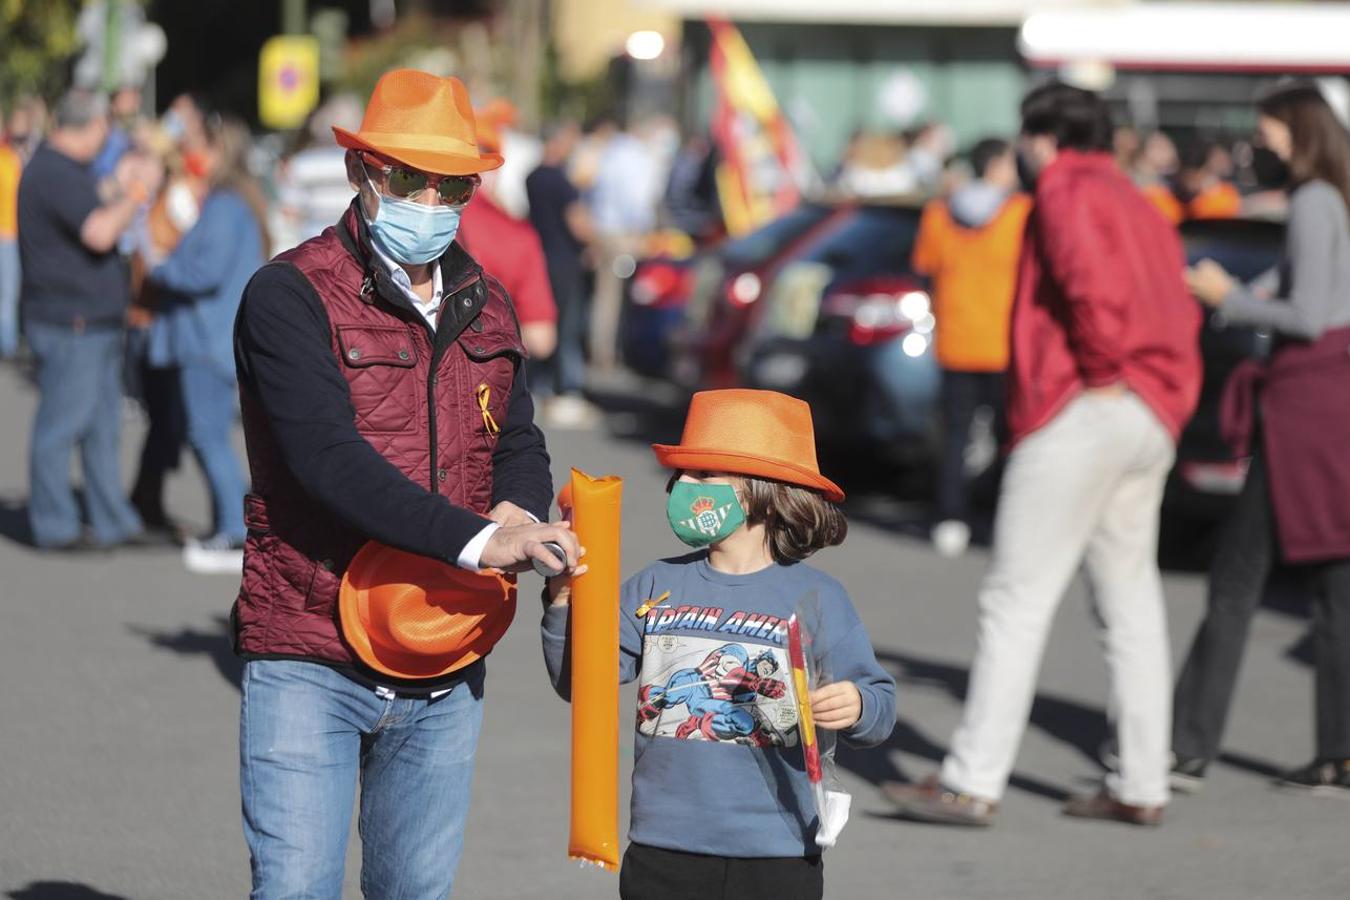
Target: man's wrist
471,557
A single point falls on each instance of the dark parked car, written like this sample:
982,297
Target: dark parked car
726,290
683,318
1208,476
848,327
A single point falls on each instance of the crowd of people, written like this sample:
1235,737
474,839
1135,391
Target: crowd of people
186,207
387,361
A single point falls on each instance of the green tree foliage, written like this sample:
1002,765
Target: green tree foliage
38,37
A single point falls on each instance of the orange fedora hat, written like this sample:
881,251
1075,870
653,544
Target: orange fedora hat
493,118
760,433
413,617
423,121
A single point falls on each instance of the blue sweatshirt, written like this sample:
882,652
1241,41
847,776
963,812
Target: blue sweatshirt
205,276
719,766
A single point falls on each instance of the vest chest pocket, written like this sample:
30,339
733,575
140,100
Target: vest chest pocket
380,365
493,358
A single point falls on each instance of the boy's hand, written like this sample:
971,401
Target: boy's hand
560,586
836,706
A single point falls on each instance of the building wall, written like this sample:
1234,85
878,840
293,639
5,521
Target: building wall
834,79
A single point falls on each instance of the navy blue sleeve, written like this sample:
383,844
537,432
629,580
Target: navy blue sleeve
71,202
284,358
520,462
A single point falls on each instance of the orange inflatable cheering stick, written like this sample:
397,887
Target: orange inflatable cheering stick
596,519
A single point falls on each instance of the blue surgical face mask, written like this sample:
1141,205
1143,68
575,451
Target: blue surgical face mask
413,233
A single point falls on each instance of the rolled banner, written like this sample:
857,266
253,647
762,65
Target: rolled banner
596,519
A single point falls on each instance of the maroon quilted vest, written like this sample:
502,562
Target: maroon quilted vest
421,413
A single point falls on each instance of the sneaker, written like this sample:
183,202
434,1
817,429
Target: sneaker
1187,775
1102,805
951,538
1321,778
929,801
216,555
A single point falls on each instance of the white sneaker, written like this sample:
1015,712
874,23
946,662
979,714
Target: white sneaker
570,411
216,555
951,538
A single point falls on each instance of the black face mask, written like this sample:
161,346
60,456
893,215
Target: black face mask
1272,173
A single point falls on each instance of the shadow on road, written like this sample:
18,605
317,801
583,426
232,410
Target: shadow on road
216,643
60,890
1081,727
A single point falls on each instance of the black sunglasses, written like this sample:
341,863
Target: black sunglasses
406,182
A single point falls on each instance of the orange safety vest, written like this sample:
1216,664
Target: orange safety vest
974,274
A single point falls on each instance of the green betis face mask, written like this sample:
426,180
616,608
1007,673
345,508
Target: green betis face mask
703,514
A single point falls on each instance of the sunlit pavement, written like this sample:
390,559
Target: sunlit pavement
118,726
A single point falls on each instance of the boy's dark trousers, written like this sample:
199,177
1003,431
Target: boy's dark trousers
650,873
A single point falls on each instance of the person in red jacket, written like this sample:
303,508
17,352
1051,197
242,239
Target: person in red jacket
1105,371
508,248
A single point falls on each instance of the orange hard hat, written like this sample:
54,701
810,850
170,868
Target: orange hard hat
423,121
761,433
411,616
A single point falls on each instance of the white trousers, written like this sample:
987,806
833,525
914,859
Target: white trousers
1085,489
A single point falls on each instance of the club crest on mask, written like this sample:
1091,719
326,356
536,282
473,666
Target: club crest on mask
707,517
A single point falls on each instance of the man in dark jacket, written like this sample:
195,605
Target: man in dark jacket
75,295
383,398
1105,371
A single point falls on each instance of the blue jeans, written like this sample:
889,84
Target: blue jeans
79,377
306,734
9,298
209,398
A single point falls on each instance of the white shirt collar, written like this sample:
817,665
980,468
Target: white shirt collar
397,274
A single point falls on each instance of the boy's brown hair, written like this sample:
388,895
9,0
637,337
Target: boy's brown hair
799,521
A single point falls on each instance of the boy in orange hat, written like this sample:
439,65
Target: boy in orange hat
721,800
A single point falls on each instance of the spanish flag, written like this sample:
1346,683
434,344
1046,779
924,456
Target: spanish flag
762,170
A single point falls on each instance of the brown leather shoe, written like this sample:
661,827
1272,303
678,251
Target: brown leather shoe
1102,805
929,801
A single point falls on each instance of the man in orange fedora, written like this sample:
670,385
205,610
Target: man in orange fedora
383,399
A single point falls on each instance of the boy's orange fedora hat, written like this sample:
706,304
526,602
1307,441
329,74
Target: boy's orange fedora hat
760,433
411,616
423,121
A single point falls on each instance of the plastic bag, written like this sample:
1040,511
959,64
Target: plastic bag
831,801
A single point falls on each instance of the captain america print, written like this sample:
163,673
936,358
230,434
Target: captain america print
710,690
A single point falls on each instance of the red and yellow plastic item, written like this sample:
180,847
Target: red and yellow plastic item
595,515
802,690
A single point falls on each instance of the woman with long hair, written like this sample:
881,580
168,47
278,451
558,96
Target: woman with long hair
203,279
1295,507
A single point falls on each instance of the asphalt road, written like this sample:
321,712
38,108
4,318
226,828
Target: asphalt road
119,705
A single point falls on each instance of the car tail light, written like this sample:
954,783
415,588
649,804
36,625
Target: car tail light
744,289
877,316
1225,477
662,284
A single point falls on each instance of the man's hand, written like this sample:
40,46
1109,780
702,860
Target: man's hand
513,547
507,513
836,706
